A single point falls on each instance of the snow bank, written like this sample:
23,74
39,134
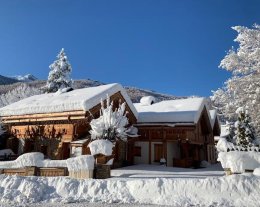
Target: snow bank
235,190
181,110
238,161
37,159
80,99
147,100
101,146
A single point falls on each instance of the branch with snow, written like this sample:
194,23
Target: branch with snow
243,88
112,124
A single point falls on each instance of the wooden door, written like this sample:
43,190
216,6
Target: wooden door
158,152
65,150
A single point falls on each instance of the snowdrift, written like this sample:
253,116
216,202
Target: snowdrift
234,190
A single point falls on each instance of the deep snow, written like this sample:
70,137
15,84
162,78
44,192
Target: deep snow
234,190
181,110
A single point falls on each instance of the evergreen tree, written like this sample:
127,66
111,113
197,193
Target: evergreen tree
244,132
59,75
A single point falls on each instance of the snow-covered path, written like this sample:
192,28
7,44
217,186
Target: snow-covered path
159,171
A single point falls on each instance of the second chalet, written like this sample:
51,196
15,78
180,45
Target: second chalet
178,132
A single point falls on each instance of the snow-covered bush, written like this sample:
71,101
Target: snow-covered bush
112,124
224,146
244,132
243,88
59,75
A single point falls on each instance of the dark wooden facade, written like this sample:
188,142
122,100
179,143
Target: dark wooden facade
180,144
53,133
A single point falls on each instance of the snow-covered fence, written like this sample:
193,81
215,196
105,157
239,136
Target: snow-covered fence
78,167
236,159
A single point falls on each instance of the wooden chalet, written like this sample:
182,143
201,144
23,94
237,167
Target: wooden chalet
177,131
57,124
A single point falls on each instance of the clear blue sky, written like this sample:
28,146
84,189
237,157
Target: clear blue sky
168,46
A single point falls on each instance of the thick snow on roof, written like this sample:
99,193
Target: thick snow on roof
176,111
80,99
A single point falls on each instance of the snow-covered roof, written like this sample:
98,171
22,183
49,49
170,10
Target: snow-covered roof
171,111
80,99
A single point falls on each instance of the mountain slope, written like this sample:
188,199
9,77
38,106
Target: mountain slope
135,93
5,80
25,78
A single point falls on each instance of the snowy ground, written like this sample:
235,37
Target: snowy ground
140,185
159,171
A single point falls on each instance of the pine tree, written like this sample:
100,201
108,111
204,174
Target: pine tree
59,75
244,132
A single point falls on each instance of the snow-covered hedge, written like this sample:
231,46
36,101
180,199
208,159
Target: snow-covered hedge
37,159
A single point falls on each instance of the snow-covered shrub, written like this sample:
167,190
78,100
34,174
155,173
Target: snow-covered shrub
243,88
59,75
224,146
244,131
112,124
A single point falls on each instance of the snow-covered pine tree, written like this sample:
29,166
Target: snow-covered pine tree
243,88
244,132
112,124
59,75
